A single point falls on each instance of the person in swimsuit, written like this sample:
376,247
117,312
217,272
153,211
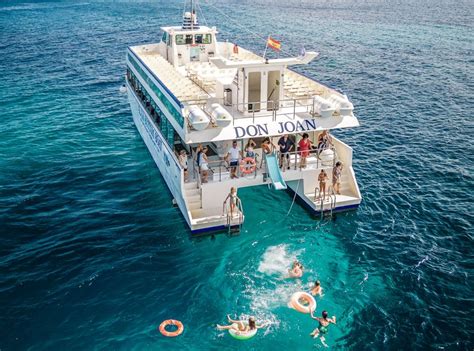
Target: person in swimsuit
204,165
322,178
296,270
249,149
267,148
241,326
183,161
322,328
305,146
317,290
336,177
233,200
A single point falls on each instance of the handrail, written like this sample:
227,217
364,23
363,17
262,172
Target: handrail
229,217
294,155
318,191
248,110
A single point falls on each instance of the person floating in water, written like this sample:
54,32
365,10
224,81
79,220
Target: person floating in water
322,329
242,326
317,290
296,270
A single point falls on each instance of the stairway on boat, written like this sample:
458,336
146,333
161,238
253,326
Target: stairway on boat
349,194
201,217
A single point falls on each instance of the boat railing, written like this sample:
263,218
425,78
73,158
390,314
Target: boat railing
260,109
222,169
295,156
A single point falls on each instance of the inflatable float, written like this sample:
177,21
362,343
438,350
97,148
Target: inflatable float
168,322
240,335
303,302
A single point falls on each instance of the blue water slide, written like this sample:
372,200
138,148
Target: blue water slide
274,172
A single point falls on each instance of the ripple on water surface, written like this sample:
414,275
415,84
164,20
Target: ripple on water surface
93,256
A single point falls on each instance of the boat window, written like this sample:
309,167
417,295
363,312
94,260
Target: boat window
164,38
180,39
189,38
207,39
198,38
202,39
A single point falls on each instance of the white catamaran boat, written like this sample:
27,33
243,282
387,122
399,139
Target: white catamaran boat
190,91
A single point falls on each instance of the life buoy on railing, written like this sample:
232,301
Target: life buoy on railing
248,165
168,322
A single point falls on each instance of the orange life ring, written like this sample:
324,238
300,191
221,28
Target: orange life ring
310,303
248,165
164,324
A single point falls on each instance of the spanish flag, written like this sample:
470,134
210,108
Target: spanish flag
274,44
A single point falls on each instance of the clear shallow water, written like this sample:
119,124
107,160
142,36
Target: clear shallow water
93,257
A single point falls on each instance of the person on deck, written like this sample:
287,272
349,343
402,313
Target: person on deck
322,329
249,149
197,155
286,145
233,200
267,148
304,146
204,165
233,157
183,161
336,177
324,141
322,179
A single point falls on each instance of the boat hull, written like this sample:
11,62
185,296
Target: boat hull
159,150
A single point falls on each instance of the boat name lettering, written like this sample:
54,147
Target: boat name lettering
254,130
251,130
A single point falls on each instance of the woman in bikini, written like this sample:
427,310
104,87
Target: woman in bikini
305,146
322,178
322,328
233,200
336,177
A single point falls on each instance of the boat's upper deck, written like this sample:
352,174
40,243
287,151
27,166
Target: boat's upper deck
261,97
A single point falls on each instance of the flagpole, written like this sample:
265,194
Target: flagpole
266,47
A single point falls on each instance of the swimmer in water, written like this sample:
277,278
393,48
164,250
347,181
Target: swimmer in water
317,290
241,326
322,328
296,270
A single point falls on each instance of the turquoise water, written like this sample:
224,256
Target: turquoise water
93,256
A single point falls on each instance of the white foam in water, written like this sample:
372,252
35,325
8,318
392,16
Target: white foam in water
276,260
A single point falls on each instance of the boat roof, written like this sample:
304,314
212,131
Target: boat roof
194,84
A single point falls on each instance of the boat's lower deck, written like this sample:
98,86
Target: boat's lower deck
201,195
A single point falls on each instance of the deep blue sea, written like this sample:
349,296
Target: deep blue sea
93,256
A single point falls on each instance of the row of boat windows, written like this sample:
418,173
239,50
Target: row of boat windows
163,99
154,111
188,39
